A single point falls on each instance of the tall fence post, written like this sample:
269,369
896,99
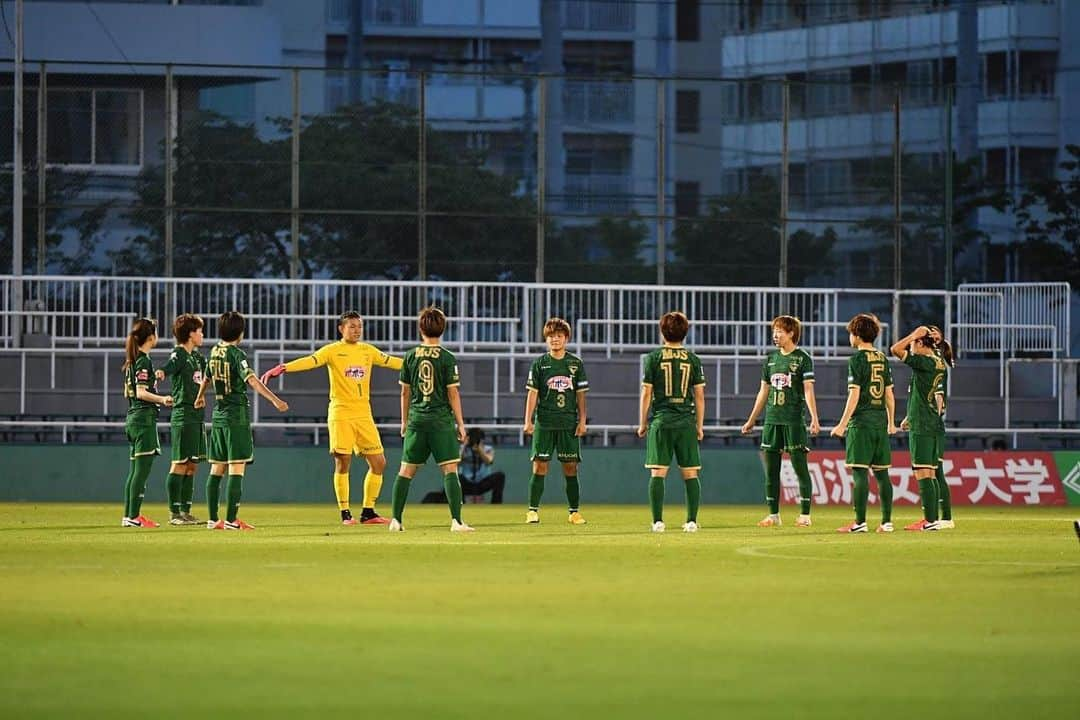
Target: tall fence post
785,179
170,150
421,189
294,204
948,230
541,176
898,228
42,160
17,183
661,183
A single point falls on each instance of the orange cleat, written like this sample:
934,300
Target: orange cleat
375,520
215,524
238,524
146,522
853,528
921,526
770,521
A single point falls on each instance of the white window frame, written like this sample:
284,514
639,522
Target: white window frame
93,166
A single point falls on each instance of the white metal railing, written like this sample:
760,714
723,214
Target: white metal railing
1002,320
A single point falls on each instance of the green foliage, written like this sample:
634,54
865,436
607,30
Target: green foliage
609,251
1049,217
737,242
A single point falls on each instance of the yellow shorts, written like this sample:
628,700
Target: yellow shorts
359,437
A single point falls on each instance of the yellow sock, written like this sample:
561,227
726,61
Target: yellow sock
341,489
372,486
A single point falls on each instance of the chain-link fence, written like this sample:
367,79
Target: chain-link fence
302,172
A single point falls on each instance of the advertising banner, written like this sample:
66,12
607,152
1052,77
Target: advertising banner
975,478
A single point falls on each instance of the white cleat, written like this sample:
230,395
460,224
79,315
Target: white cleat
395,526
885,527
803,521
946,525
689,526
457,526
659,526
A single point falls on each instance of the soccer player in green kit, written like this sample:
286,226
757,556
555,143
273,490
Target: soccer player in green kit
924,421
231,444
943,350
141,423
673,384
868,421
787,384
186,370
430,408
555,417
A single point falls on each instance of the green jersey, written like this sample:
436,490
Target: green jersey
673,372
943,385
927,377
557,383
230,371
785,375
140,372
869,371
185,371
430,371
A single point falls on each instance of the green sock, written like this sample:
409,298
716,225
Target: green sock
693,498
860,493
806,487
213,492
536,491
928,493
772,482
944,494
656,497
573,493
172,486
127,489
187,492
234,488
885,492
400,494
452,486
141,474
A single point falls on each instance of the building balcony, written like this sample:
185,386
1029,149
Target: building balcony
427,16
1029,26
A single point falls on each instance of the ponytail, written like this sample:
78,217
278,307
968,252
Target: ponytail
947,352
140,331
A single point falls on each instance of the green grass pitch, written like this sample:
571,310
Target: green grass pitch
306,618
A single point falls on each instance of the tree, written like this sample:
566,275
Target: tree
737,242
1049,217
610,251
359,193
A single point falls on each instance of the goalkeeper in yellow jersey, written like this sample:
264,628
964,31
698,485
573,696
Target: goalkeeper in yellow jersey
352,428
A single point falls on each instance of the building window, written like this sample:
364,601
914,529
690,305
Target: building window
94,127
687,111
688,20
920,87
830,183
687,199
1037,164
828,93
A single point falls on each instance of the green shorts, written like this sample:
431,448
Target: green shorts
661,443
142,439
421,444
783,438
926,450
563,444
231,443
867,447
188,442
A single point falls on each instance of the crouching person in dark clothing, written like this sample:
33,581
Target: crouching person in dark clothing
476,471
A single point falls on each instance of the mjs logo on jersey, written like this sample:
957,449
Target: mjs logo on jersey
560,383
355,372
780,380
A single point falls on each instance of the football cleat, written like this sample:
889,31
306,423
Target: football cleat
1076,527
853,528
350,521
532,517
946,525
145,522
770,521
458,526
395,526
238,524
129,522
374,519
575,518
215,524
190,519
659,526
803,521
921,526
885,528
689,526
177,519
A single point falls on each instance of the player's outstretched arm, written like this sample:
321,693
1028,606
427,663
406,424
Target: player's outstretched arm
279,404
643,409
303,364
145,395
899,348
759,405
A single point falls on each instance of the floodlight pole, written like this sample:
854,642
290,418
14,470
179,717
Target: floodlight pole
785,189
17,183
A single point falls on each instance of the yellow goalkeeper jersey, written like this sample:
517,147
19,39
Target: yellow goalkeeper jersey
349,367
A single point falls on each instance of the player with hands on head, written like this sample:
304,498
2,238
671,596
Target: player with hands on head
787,387
349,418
673,388
867,422
140,426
